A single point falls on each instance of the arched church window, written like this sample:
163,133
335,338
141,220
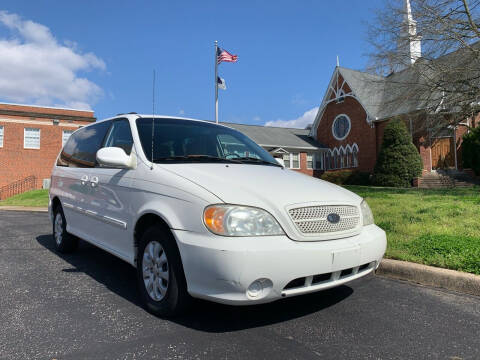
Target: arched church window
349,157
343,163
341,127
355,157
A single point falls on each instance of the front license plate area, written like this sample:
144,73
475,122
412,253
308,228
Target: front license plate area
347,258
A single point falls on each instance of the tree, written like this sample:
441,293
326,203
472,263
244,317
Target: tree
398,161
471,150
444,79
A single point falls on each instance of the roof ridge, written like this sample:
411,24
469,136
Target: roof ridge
362,72
274,127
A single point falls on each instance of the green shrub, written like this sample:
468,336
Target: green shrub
471,150
398,161
347,177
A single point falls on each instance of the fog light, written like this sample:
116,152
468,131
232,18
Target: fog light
259,288
255,289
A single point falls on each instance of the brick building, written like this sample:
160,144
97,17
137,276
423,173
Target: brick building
30,140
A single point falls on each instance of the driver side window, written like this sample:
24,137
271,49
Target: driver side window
120,136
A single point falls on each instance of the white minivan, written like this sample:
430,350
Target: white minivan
202,211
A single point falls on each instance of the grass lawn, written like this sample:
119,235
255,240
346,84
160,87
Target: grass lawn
30,198
439,227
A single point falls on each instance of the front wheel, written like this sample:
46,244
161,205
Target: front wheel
64,242
160,275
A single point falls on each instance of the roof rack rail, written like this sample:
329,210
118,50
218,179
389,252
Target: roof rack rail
132,112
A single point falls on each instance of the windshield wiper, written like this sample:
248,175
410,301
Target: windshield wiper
256,161
199,158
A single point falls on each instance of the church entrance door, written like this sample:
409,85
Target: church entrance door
443,153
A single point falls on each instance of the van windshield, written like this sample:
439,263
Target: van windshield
178,140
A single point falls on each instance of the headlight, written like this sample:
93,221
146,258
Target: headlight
366,213
232,220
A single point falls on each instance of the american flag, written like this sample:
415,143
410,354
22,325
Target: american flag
224,55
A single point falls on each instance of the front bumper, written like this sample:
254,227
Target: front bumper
221,269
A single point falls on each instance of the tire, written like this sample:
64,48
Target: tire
64,242
160,276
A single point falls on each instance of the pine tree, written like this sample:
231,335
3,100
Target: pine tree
398,161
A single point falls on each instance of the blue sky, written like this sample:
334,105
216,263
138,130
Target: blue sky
101,54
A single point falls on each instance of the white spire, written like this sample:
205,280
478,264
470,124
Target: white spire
409,43
407,16
338,61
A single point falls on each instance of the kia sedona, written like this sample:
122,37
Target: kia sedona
200,210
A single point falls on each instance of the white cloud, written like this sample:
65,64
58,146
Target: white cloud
182,112
257,118
301,122
36,68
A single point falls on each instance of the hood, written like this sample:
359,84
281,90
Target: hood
271,188
260,185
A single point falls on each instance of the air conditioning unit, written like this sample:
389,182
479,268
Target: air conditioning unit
46,184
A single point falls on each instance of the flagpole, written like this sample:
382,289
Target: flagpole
216,82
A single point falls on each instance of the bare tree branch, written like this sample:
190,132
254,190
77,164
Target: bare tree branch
444,83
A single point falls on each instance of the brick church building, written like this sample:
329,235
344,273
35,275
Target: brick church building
357,106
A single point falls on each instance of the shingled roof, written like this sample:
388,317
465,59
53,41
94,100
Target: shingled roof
385,97
275,137
410,90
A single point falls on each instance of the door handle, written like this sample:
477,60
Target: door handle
94,181
84,179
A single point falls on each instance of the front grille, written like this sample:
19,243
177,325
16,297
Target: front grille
313,219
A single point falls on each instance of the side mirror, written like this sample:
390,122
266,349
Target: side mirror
115,157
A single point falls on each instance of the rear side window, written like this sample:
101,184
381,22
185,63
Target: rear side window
81,148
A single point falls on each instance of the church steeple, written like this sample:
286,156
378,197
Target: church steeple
409,45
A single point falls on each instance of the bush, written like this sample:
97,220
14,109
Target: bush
398,161
471,150
347,177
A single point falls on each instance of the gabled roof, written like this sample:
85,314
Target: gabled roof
368,89
385,97
275,137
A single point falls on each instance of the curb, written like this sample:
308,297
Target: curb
429,275
24,208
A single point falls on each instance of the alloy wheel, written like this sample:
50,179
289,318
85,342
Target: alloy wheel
58,229
155,270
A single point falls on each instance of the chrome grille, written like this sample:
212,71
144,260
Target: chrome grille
313,219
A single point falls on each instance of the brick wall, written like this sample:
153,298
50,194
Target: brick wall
361,132
50,112
16,162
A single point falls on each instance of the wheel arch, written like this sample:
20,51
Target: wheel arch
146,221
55,203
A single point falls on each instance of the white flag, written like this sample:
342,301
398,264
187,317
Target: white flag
221,83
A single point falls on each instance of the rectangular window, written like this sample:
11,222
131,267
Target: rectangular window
286,160
319,161
295,161
31,138
1,136
309,161
65,136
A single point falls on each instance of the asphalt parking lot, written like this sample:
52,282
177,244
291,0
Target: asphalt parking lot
85,305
